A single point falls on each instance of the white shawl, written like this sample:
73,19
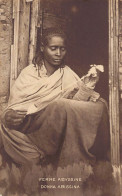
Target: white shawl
32,93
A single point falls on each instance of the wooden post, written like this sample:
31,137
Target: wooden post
14,47
33,29
19,48
24,28
114,88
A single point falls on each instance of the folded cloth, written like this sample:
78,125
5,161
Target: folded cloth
65,131
86,94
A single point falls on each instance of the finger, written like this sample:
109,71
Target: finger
21,112
13,123
16,116
17,124
18,120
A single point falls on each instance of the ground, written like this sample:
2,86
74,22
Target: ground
96,180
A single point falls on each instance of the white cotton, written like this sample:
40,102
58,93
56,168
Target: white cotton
94,68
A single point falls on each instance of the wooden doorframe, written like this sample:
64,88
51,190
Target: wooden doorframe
113,6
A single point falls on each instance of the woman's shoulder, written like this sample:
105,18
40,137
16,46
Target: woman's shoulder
26,73
28,68
68,69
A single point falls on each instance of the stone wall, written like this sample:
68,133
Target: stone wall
5,49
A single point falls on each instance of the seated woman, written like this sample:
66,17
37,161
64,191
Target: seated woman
45,119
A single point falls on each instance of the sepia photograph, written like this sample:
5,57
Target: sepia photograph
60,97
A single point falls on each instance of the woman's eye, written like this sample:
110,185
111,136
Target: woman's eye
63,48
53,48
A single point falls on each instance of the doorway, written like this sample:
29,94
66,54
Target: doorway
93,24
87,29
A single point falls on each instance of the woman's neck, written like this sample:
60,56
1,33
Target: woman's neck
50,69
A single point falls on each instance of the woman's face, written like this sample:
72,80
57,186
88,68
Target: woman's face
55,51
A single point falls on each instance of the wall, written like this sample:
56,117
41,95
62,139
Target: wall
120,68
120,44
5,47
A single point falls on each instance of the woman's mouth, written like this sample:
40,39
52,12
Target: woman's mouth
57,60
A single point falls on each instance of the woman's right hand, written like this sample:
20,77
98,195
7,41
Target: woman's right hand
13,118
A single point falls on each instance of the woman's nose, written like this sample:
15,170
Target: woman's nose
58,52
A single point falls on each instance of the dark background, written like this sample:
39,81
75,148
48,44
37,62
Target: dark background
87,29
